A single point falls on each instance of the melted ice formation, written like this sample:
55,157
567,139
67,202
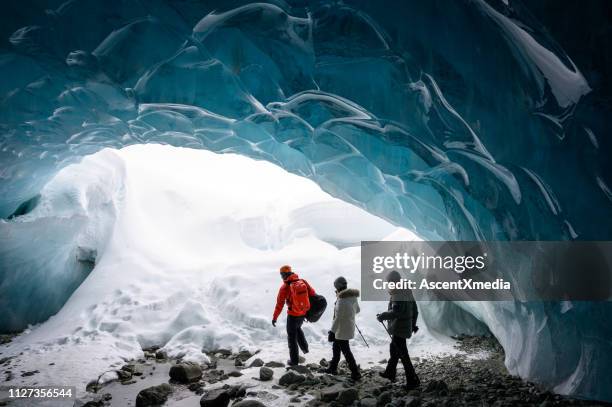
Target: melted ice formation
457,120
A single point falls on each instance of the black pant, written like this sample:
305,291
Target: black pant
399,351
295,338
344,347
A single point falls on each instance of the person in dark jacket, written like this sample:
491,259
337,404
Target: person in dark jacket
295,317
343,327
402,315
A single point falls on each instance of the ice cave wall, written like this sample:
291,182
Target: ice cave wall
456,119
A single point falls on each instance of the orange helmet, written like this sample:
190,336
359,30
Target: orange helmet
285,269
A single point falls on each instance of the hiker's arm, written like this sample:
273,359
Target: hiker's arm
357,309
415,313
280,302
342,312
311,290
393,313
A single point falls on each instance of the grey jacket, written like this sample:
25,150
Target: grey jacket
345,309
402,314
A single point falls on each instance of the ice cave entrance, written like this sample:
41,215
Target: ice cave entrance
187,244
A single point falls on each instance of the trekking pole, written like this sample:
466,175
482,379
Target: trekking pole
360,334
385,326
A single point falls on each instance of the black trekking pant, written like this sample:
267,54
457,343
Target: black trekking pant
342,346
399,351
296,338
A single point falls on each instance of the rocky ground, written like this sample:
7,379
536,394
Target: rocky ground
476,376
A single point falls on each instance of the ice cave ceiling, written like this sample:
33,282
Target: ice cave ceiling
471,120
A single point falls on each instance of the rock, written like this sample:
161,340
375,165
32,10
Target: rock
161,354
412,401
331,393
135,370
215,398
324,363
124,375
300,369
368,402
291,378
249,403
153,396
436,386
222,352
197,388
238,362
348,396
244,355
302,359
234,373
265,374
274,364
257,363
384,398
186,372
30,373
237,391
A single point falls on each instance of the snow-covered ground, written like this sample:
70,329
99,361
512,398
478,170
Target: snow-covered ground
190,261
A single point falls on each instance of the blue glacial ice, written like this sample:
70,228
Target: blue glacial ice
459,120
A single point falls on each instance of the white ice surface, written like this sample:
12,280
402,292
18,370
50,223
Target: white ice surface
192,262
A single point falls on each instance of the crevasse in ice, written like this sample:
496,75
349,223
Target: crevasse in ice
455,119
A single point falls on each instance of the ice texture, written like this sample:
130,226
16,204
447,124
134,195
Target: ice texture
454,119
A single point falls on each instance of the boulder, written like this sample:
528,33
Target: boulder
437,386
274,364
124,375
237,391
257,363
234,373
368,402
348,396
249,403
215,398
265,374
413,401
153,396
300,369
244,355
384,398
291,378
331,393
186,373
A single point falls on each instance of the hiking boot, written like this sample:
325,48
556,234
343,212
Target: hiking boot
356,376
291,363
331,370
386,375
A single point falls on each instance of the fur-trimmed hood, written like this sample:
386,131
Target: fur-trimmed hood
348,292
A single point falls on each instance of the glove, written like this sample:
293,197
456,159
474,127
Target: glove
379,317
331,337
274,323
415,329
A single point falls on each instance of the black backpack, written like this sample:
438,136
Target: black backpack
318,303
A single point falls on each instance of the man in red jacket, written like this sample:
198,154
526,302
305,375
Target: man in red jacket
295,292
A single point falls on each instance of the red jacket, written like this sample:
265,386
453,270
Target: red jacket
283,296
